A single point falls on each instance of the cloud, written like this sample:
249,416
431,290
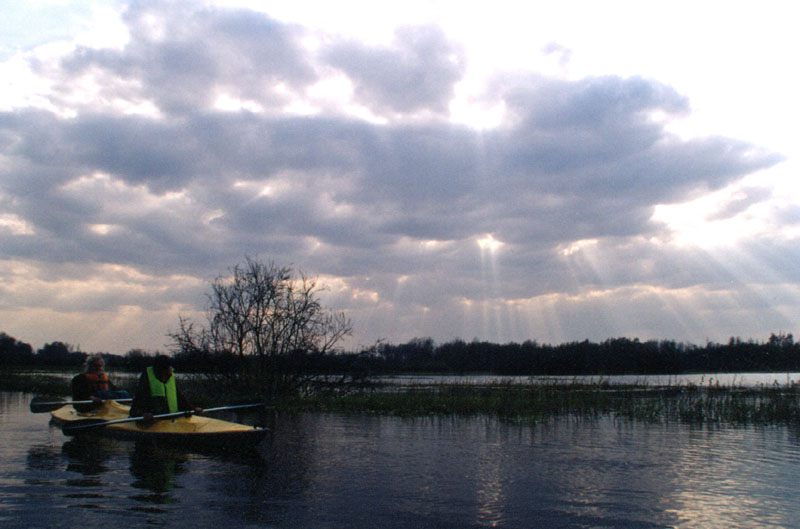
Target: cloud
741,202
417,73
129,162
581,161
182,58
562,53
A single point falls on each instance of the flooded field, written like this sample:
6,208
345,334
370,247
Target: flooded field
749,380
345,471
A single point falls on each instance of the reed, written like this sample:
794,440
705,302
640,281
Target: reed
40,384
542,402
533,402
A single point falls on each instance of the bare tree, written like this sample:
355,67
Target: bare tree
270,320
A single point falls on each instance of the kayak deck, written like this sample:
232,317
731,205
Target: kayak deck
195,430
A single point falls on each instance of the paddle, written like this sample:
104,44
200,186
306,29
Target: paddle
42,406
78,426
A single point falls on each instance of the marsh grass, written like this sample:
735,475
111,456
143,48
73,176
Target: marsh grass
542,402
764,405
41,384
534,402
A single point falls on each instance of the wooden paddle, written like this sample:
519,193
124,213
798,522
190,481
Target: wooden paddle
42,405
75,427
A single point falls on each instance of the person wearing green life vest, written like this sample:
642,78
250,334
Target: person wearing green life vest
157,392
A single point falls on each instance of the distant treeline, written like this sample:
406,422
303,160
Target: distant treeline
59,354
613,356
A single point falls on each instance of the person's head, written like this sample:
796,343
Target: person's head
95,364
162,367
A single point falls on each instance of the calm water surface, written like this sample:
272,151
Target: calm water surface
698,379
334,471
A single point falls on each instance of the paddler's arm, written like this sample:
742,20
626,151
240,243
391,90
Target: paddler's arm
184,405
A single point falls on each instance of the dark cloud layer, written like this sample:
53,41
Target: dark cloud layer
417,74
181,57
194,187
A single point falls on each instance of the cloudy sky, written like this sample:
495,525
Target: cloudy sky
494,170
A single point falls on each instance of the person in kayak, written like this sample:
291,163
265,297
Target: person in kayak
93,384
157,392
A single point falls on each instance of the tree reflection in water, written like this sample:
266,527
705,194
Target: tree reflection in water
351,472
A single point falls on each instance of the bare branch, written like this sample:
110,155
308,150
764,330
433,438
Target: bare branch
263,312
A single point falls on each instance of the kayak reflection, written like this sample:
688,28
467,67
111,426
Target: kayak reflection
155,469
88,456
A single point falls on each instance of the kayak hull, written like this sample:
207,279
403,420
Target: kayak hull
195,431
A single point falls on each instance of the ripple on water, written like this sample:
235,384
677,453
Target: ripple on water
338,471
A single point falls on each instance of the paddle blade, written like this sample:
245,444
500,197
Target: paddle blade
45,404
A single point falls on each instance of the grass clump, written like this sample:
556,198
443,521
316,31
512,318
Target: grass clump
542,402
41,384
764,405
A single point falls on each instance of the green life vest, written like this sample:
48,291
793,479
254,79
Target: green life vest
168,390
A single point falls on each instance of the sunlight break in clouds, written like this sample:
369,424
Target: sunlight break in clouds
503,172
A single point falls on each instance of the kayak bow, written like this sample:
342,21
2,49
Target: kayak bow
184,428
75,427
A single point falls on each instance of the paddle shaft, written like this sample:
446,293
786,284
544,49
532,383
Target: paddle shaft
234,407
65,402
42,407
83,425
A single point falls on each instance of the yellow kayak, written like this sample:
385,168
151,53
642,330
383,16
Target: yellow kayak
194,431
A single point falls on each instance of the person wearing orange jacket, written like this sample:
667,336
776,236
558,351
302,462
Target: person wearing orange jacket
93,384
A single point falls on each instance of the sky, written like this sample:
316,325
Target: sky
500,171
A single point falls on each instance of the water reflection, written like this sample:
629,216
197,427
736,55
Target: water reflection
87,455
155,469
43,458
729,477
337,471
490,490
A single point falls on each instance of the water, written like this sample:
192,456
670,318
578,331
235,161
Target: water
698,379
335,471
